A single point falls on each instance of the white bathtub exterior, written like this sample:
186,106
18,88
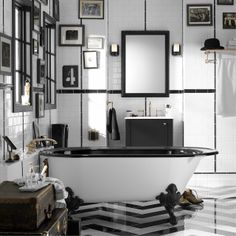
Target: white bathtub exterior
118,179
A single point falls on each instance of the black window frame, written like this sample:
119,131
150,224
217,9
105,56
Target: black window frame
48,51
24,7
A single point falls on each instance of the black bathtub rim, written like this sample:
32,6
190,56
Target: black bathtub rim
192,152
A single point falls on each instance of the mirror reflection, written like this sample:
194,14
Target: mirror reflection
145,63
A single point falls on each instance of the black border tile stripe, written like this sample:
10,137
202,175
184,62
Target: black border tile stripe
84,91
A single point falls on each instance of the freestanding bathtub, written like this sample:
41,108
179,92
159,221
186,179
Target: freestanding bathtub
123,174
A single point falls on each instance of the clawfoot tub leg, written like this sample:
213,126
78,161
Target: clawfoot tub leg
169,201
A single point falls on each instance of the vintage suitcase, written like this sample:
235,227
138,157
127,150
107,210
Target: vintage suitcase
57,225
24,210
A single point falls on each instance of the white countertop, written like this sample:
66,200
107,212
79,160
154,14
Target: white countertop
148,118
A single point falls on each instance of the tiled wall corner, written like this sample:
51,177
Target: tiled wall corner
94,117
69,113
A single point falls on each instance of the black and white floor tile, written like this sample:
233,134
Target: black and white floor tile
217,216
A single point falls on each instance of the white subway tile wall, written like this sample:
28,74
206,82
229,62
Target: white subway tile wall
69,113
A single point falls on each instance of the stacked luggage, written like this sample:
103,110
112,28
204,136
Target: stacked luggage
30,213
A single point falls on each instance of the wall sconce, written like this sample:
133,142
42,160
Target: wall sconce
176,49
114,49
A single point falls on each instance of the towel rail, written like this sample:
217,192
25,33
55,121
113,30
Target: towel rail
208,52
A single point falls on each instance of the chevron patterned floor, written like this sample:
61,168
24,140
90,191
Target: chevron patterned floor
217,216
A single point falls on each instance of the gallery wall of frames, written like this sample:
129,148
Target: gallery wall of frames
28,72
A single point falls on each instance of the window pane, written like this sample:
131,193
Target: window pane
28,59
17,87
17,55
17,23
53,76
52,41
52,93
28,32
49,66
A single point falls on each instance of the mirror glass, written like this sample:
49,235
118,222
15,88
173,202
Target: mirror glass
145,63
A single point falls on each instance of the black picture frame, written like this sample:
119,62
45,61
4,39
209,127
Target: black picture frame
199,15
225,2
36,16
90,59
40,105
56,10
71,35
6,54
41,71
91,9
229,20
45,2
70,76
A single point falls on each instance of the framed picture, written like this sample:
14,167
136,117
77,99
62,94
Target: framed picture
91,9
44,2
56,10
70,76
90,59
35,47
41,71
40,105
36,16
225,2
199,14
229,20
71,35
95,43
5,54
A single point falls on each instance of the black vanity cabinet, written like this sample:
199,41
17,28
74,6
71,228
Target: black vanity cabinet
149,131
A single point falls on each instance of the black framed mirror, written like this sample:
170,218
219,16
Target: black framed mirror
145,63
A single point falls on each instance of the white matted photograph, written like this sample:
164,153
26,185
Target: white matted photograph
71,35
95,43
91,9
90,59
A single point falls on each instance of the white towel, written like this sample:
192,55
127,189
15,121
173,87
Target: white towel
226,86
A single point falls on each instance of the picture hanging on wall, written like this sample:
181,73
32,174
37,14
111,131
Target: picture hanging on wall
95,43
229,20
56,10
40,105
225,2
41,71
70,76
199,15
44,2
71,35
90,59
36,16
91,9
5,54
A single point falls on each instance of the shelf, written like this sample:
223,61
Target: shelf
226,50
